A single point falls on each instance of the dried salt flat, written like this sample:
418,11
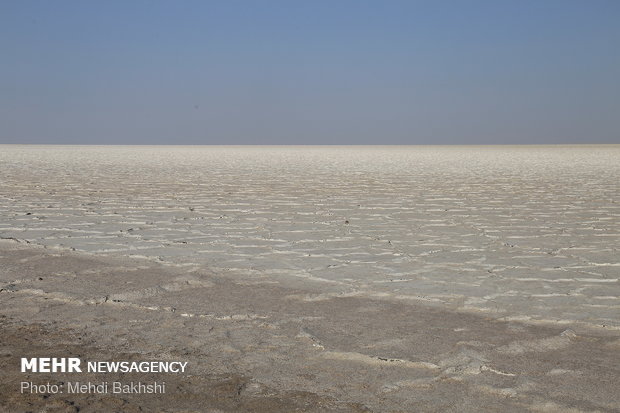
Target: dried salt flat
506,231
384,278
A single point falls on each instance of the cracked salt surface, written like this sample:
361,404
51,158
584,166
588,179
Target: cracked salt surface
529,233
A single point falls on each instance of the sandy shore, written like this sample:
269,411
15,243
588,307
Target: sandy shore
317,279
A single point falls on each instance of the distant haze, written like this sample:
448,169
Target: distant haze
310,72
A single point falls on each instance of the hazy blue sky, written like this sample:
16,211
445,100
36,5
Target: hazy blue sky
310,72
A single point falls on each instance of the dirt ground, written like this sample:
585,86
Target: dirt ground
264,347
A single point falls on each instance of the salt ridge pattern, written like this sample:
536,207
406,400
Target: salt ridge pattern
519,233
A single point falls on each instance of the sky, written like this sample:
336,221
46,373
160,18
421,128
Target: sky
310,72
